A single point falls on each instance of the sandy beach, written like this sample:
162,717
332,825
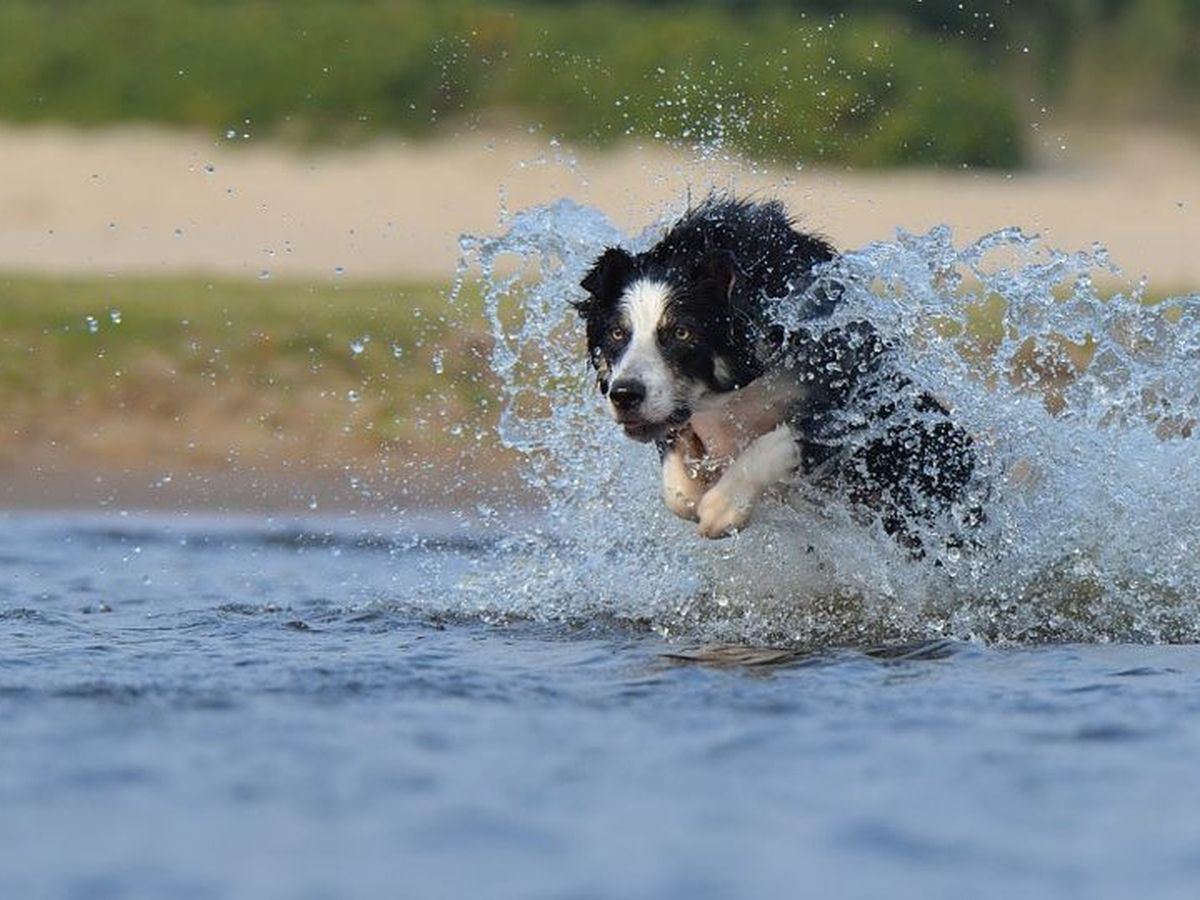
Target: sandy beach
142,200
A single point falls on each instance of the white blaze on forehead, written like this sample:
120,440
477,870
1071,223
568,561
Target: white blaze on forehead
643,306
644,303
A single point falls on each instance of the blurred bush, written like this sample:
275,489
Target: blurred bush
870,83
768,82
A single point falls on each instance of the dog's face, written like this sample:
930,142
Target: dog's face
660,337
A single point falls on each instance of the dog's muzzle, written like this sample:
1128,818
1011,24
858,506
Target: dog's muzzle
626,397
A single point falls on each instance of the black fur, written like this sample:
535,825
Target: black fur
723,259
863,428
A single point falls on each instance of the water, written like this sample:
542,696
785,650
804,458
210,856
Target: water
238,708
578,697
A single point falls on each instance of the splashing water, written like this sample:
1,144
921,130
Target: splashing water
1083,406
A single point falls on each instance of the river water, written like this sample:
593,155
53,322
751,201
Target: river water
246,707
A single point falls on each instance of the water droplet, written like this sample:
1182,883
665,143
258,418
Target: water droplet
339,271
439,362
353,396
264,275
114,316
92,325
359,344
209,168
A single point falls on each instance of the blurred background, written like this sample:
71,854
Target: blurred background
229,230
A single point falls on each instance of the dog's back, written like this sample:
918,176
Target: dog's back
865,428
861,422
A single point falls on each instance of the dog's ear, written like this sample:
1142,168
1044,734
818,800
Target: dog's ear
608,275
719,267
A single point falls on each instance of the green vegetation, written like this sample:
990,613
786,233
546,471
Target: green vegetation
158,371
872,82
761,80
1088,59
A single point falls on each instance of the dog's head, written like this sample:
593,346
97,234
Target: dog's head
662,335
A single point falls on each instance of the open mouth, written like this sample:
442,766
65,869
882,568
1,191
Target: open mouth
641,430
645,431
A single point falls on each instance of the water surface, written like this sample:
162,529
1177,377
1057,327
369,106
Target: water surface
240,707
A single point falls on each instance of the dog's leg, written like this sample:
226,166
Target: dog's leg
682,485
728,503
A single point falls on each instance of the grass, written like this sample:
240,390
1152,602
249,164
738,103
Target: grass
152,372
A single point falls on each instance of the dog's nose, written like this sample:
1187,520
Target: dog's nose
625,395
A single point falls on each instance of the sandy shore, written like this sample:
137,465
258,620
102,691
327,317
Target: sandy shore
140,200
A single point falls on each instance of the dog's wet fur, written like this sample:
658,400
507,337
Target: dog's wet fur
688,350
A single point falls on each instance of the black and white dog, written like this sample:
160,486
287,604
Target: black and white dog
687,346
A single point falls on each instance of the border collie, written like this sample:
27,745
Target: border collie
689,351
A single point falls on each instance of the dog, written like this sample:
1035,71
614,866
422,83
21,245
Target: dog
688,349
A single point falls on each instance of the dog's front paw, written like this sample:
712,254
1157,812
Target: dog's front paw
682,483
724,509
681,503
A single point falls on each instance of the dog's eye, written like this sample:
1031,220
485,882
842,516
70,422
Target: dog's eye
683,334
617,333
